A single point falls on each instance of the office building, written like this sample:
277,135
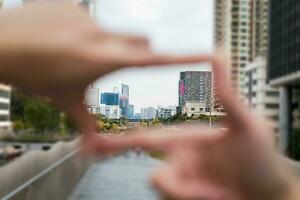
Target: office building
5,99
166,112
124,100
195,87
110,98
260,96
130,113
109,111
284,69
148,113
241,32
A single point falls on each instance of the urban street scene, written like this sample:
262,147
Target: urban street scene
149,100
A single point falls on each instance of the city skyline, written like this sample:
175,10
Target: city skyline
158,86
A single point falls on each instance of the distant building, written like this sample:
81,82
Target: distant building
194,109
148,113
110,98
166,112
92,99
137,116
195,87
124,100
260,96
130,113
109,111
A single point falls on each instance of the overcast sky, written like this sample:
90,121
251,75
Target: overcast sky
174,26
177,26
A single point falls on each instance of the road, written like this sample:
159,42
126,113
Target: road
124,177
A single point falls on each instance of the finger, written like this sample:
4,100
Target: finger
121,53
164,140
173,185
238,115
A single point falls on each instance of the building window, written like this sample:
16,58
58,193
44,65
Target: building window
4,94
272,94
272,106
4,106
4,118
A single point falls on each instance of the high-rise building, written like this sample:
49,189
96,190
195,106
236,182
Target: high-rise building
124,100
195,87
284,69
130,113
110,98
5,100
148,113
241,32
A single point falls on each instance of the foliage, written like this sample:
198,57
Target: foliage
36,114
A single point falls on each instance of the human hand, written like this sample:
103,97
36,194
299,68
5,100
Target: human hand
236,163
55,50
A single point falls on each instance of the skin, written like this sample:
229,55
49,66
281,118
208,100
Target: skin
236,163
55,50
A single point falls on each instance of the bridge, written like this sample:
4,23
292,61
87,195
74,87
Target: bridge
65,174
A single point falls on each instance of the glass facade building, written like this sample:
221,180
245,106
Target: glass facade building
284,57
111,99
284,70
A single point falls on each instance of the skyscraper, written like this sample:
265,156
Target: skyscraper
124,100
195,87
241,32
130,113
284,69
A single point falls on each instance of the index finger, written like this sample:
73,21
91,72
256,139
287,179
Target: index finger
238,115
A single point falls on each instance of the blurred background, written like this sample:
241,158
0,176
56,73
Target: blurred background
260,37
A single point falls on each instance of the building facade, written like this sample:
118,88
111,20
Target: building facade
130,113
110,98
148,113
284,69
260,96
165,112
109,111
241,32
195,87
5,100
124,100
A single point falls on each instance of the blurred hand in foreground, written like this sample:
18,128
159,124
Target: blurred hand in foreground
55,50
236,163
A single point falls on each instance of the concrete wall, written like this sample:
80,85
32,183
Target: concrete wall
56,185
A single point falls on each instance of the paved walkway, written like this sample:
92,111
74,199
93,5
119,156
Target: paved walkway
121,178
